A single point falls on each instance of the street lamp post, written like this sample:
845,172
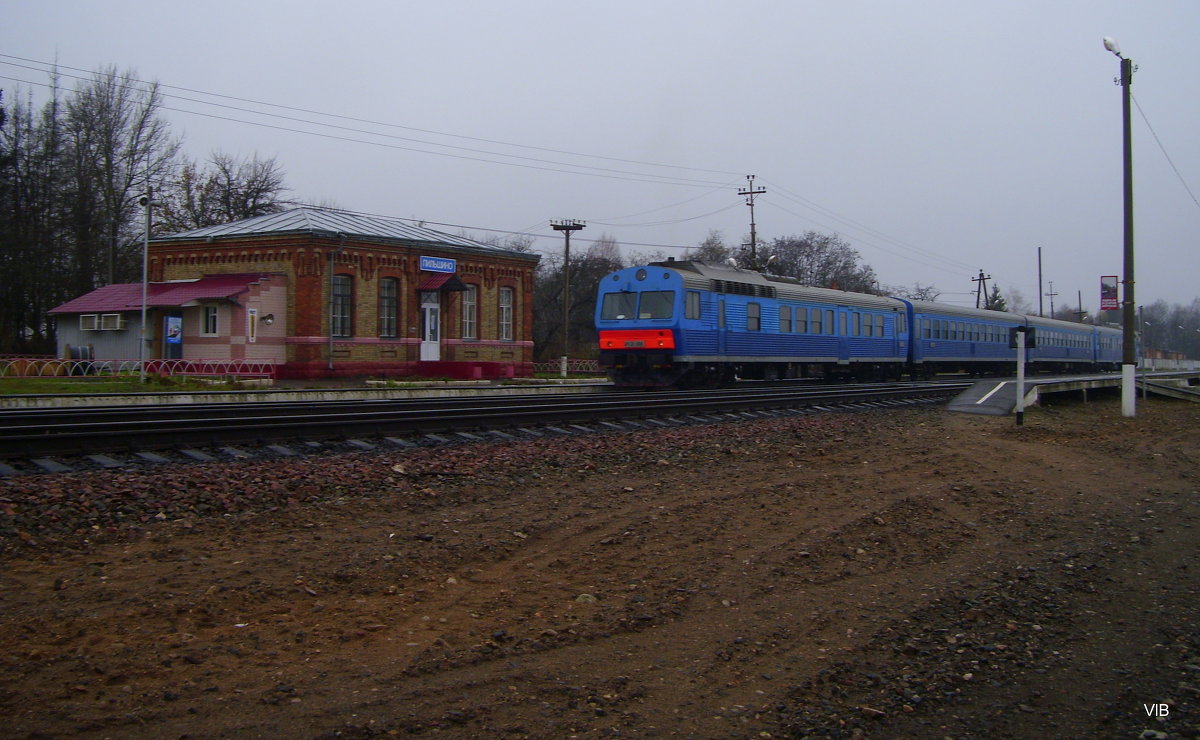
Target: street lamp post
147,201
1129,347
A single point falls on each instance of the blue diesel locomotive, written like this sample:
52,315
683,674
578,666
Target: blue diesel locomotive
692,323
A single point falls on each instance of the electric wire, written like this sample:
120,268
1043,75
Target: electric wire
1164,151
54,67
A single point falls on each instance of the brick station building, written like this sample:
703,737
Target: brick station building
365,295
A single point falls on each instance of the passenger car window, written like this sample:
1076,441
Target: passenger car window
753,314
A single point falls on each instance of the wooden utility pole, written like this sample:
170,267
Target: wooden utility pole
1051,295
750,192
981,290
566,227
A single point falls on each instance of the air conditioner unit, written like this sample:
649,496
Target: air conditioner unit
89,322
112,321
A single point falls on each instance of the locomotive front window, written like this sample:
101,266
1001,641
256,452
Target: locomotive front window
618,306
657,304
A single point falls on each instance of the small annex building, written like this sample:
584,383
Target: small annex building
319,293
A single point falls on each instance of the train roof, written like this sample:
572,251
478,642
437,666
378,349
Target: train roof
1066,325
728,279
987,315
967,312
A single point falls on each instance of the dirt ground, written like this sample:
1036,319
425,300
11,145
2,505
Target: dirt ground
899,574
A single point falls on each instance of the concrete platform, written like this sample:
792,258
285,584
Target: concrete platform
999,397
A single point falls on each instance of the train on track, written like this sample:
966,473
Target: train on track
687,323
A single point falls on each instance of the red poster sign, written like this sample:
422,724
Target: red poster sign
1108,293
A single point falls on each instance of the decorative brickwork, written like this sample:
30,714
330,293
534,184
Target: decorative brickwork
306,260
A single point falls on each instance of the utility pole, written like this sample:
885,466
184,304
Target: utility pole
981,289
1040,281
750,192
1051,295
566,227
1081,312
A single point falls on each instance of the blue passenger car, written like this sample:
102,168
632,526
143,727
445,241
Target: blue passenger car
959,339
681,322
690,322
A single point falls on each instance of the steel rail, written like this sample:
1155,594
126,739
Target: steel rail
80,431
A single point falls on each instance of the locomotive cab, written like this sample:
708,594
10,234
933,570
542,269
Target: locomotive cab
637,319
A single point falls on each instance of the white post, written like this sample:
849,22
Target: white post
1020,375
146,202
1128,390
563,366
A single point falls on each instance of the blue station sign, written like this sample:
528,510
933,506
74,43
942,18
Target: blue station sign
438,264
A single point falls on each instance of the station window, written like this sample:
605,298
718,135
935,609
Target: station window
388,292
341,306
470,312
692,308
506,314
753,317
785,319
209,325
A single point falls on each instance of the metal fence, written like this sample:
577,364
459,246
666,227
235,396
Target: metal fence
574,367
40,367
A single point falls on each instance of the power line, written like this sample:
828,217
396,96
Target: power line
830,213
54,67
1164,150
602,172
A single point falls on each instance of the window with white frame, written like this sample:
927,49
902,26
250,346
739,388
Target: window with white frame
470,312
506,314
208,326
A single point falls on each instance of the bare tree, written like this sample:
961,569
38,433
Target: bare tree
603,257
227,190
712,250
117,146
917,292
821,260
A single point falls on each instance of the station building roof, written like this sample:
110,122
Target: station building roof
175,294
328,222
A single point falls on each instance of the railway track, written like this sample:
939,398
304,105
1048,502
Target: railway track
37,440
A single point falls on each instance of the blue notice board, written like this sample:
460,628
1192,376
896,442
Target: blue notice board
438,264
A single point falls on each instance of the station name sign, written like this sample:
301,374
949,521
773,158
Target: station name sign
438,264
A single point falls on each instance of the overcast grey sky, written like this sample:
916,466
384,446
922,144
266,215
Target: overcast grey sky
938,137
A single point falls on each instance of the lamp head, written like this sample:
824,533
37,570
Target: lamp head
1111,44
